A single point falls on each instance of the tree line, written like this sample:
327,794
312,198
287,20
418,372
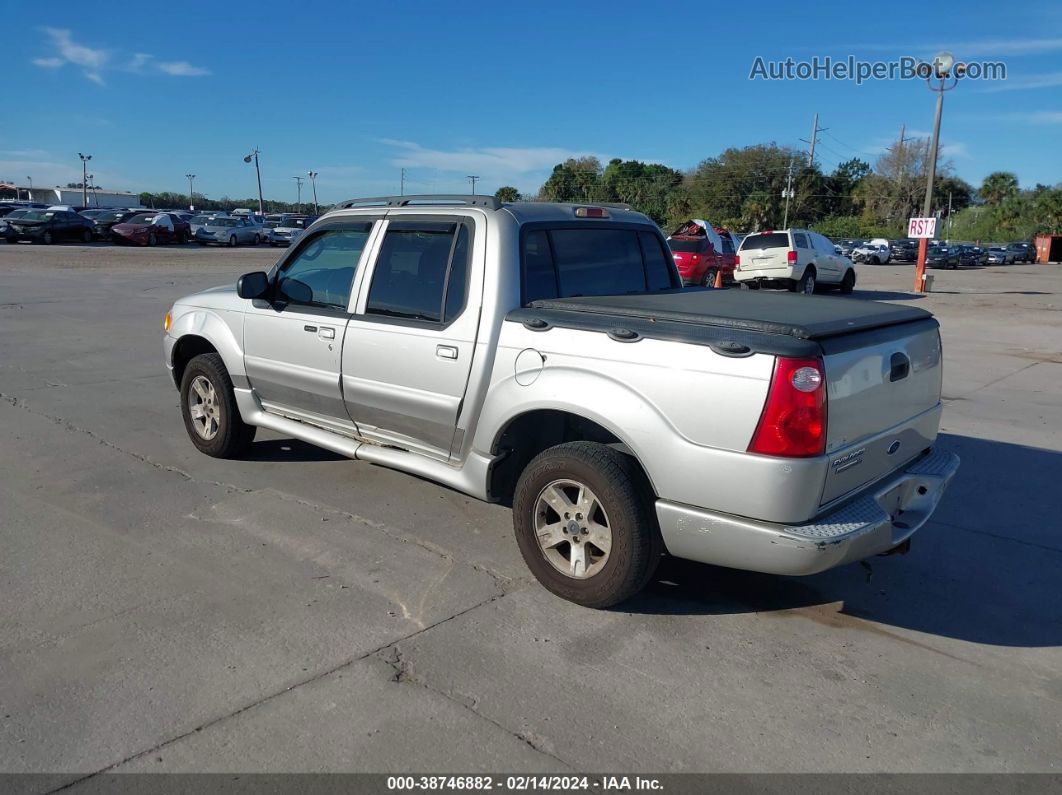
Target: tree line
171,200
746,189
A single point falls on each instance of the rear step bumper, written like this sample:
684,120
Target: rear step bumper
879,520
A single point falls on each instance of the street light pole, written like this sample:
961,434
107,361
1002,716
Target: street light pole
254,155
84,178
191,192
298,181
941,69
313,181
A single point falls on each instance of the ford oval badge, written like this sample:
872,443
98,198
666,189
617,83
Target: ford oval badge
894,447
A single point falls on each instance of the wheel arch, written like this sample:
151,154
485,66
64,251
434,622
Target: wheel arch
526,434
201,331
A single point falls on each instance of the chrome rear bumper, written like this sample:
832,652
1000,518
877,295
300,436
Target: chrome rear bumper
880,519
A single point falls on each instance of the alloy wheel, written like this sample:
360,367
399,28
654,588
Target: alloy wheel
573,530
203,408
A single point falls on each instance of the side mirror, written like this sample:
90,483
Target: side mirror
252,285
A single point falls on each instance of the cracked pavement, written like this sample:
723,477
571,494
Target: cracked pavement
297,611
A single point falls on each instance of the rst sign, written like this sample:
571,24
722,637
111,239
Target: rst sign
922,227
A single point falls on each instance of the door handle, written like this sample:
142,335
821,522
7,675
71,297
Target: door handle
900,366
327,333
446,351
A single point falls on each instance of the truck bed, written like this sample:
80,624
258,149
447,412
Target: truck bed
799,316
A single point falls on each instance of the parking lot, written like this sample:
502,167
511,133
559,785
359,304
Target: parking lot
297,611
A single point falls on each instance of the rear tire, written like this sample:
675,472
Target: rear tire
47,238
232,241
208,407
806,283
709,277
616,507
152,240
848,282
86,236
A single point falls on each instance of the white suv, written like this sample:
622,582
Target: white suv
795,258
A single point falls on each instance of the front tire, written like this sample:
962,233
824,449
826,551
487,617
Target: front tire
848,282
86,236
581,512
152,239
47,238
232,241
208,406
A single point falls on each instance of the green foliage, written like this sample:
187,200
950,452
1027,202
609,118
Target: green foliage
507,193
169,199
999,185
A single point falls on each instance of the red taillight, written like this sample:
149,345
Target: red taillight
793,423
791,258
737,260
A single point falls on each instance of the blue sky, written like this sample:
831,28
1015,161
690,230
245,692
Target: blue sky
500,90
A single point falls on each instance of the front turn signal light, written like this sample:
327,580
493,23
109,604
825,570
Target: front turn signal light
166,322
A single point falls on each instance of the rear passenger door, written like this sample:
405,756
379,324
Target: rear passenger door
409,346
829,265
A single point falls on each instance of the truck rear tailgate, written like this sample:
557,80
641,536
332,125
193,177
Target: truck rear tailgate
883,398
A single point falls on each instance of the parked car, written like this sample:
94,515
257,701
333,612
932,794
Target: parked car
10,214
1023,252
582,406
227,231
904,251
201,220
182,228
1000,255
701,251
874,252
798,259
103,224
942,257
48,226
288,229
972,255
92,214
145,229
848,244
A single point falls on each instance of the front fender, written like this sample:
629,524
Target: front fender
223,329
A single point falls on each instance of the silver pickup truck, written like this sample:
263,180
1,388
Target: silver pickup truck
545,356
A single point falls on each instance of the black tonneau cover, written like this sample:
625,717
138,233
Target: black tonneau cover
804,317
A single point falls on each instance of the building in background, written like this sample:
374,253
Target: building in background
68,196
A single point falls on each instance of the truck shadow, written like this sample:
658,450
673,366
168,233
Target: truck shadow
289,450
884,295
985,570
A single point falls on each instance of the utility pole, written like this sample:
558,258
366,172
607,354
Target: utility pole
949,217
402,184
788,194
298,181
815,130
473,179
84,178
92,183
313,181
254,155
191,201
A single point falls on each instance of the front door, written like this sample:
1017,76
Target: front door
293,341
408,349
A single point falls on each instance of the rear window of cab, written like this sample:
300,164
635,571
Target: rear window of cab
566,262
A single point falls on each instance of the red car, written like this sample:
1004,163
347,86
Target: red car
701,251
148,229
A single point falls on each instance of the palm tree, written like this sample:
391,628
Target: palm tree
1049,208
507,193
998,186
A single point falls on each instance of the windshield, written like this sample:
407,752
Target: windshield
223,222
141,220
201,219
113,215
38,215
768,240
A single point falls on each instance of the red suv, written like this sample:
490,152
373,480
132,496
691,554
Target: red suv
701,251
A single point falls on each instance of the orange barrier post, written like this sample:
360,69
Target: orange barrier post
920,268
718,280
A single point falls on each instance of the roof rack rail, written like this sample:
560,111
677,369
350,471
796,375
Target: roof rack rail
436,200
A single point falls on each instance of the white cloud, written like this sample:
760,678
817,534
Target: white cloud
494,165
182,69
1025,82
964,51
94,62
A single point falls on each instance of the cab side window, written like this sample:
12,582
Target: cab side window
421,272
800,240
322,271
